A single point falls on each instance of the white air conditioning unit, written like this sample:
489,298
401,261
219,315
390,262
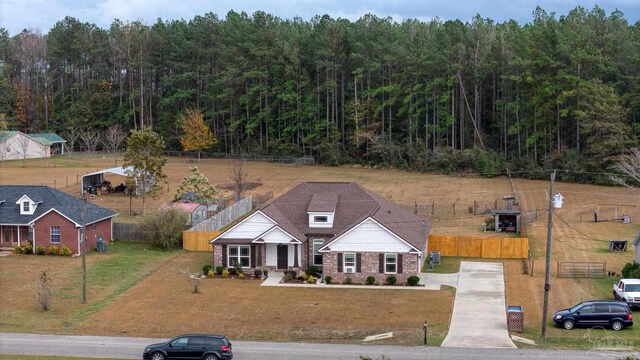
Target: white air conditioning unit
350,269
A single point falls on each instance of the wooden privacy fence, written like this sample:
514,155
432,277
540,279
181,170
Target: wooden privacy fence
126,231
471,246
574,269
198,240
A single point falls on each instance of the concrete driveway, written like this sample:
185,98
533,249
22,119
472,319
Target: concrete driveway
479,317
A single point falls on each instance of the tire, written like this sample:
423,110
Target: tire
210,357
158,356
617,325
568,324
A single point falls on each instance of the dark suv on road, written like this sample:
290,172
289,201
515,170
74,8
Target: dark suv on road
191,346
614,314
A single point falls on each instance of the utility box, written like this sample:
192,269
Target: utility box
626,219
515,319
101,245
435,257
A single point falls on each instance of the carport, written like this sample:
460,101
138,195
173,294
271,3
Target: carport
96,179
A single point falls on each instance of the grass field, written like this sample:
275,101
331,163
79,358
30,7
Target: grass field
161,303
576,237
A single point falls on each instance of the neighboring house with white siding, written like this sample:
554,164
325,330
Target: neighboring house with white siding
342,228
15,145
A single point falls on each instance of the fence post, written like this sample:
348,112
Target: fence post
433,207
77,179
454,208
54,184
67,181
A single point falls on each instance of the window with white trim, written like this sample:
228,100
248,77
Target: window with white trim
390,263
25,206
320,219
54,234
239,254
317,255
349,262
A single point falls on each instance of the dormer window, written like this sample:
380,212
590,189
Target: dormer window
322,209
26,205
320,219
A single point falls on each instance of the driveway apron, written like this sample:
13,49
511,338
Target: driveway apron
479,317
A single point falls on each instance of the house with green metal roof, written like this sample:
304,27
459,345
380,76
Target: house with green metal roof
15,145
55,142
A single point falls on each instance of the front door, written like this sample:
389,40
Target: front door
283,257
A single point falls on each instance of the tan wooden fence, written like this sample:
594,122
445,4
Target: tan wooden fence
198,240
470,246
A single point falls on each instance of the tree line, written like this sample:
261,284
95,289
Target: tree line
559,92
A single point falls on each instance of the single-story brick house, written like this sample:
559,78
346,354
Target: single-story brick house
342,228
41,215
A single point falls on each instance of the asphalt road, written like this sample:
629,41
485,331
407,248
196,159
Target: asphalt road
131,348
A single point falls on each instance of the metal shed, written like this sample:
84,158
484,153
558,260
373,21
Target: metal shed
96,178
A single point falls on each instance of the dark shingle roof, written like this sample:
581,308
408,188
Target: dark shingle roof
353,204
49,198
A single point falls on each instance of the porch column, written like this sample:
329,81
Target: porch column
18,235
295,255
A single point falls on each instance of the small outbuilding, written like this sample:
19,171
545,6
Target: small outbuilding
54,141
197,212
95,183
507,220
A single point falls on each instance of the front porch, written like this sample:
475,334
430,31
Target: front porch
15,235
259,255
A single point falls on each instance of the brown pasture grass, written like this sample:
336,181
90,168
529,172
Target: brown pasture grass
576,237
162,305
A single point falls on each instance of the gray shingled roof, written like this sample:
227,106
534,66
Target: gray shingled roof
354,204
49,198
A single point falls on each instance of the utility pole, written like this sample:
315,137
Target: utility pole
547,274
84,251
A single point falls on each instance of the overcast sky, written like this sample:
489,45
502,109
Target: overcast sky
16,15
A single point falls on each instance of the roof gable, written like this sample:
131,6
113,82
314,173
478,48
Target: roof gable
249,228
276,235
369,235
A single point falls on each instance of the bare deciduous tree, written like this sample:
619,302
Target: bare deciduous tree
113,138
45,295
193,280
629,168
91,140
23,145
238,176
72,135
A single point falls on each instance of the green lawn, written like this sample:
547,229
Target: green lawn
108,276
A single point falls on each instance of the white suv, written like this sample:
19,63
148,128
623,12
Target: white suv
627,290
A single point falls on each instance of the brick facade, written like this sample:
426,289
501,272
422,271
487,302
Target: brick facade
369,266
69,233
